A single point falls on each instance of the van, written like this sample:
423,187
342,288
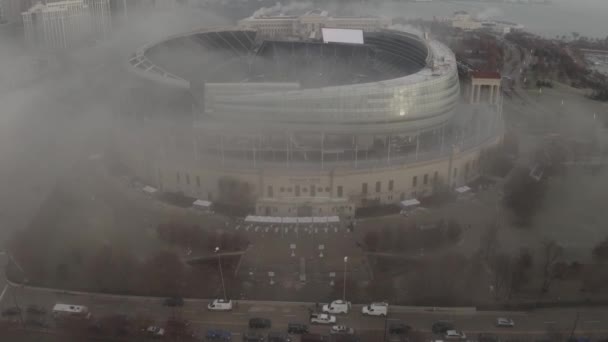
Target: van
337,307
220,305
375,309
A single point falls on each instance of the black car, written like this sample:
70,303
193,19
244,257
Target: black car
259,323
36,323
297,328
13,311
35,310
278,337
253,337
174,301
398,328
441,327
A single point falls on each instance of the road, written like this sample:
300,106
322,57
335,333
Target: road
533,324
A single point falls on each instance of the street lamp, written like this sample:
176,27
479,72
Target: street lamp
219,263
344,288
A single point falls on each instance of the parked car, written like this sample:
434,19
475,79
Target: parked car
455,335
253,337
337,307
218,335
320,318
341,329
375,309
174,301
297,328
278,337
440,327
505,322
35,310
155,331
12,311
36,323
259,323
314,338
220,305
399,328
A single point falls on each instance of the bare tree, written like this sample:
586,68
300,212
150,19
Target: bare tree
488,243
503,275
552,252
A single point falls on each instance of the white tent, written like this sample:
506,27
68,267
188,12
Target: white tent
410,203
462,189
333,219
150,190
201,204
290,220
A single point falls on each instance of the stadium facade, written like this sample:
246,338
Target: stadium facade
294,126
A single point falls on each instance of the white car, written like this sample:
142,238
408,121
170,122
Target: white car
320,318
375,309
341,329
220,305
155,331
455,335
505,322
336,307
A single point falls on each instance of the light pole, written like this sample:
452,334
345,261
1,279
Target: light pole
219,263
344,288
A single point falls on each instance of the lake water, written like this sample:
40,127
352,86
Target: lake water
587,17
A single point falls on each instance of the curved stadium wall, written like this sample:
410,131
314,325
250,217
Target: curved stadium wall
311,128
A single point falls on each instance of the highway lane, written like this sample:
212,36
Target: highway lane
538,323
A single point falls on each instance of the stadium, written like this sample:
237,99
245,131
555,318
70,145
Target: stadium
302,120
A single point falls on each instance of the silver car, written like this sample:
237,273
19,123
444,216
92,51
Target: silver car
505,322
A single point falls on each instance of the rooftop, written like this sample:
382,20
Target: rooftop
486,74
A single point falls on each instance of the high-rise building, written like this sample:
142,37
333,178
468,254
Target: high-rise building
62,24
101,18
57,25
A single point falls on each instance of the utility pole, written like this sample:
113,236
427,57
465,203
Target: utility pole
344,288
219,263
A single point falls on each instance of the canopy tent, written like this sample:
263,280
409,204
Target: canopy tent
274,219
462,189
201,204
149,189
410,203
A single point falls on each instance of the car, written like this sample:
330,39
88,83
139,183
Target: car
36,323
341,329
218,335
454,335
220,305
174,301
253,337
155,331
12,311
314,338
440,327
259,323
337,307
399,328
297,328
505,322
375,309
35,310
321,318
278,337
